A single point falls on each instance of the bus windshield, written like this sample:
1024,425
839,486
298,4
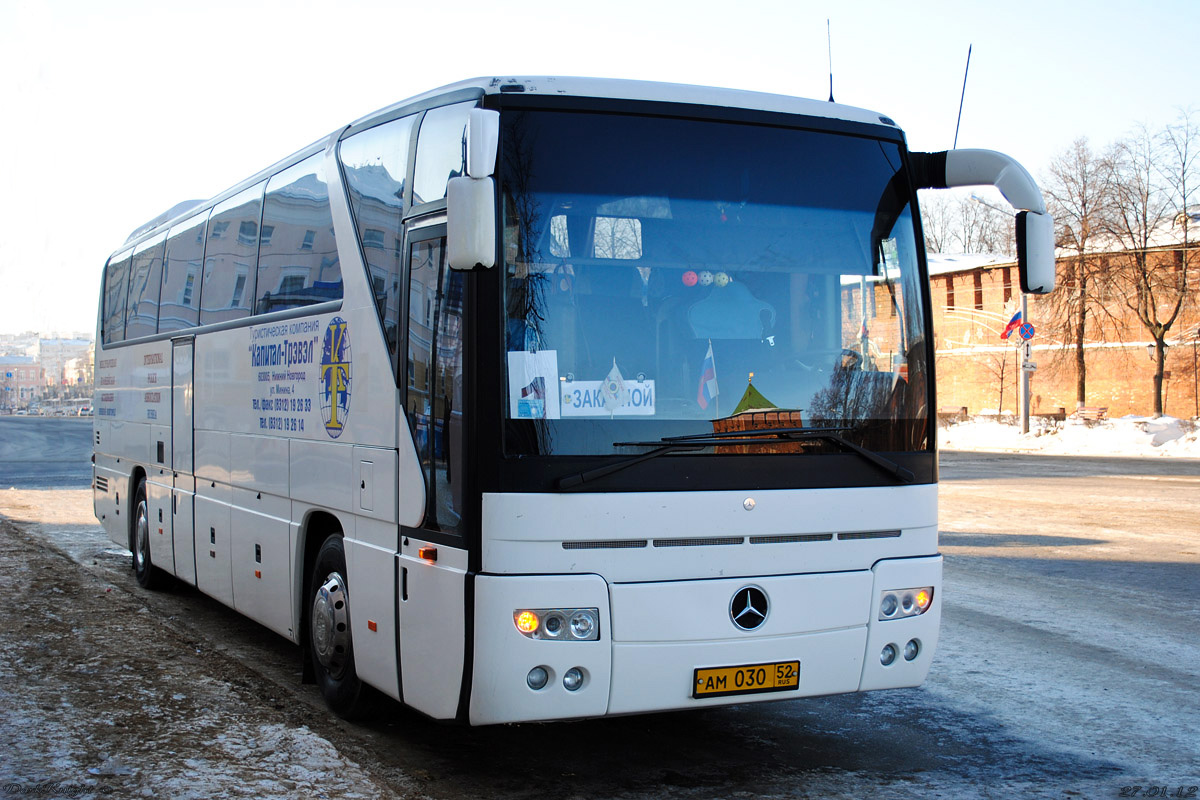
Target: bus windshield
671,277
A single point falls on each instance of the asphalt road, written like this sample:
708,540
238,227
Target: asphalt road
1067,667
43,452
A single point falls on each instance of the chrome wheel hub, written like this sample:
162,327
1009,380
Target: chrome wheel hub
141,537
331,624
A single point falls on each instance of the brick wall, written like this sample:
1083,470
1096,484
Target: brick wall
971,308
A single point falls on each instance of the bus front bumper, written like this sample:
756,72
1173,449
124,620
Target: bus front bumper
656,639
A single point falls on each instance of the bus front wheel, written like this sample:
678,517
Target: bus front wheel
331,649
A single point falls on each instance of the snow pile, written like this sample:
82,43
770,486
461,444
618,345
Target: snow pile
1128,436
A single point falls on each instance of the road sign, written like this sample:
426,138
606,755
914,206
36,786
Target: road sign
8,374
1026,331
1029,366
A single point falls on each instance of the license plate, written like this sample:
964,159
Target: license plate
779,676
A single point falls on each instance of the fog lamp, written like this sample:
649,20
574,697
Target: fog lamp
912,649
573,679
888,655
537,678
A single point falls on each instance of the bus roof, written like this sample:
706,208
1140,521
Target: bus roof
595,88
649,91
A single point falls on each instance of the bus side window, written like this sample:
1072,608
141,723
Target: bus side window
179,303
145,279
297,260
375,163
441,151
231,257
116,279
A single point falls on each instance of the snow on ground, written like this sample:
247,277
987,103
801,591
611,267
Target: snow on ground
1127,436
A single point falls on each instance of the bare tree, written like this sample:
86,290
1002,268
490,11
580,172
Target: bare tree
1077,190
1155,179
997,364
965,225
937,219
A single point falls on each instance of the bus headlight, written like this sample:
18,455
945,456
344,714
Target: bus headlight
584,625
902,603
558,624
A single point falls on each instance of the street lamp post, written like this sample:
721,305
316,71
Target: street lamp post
1195,378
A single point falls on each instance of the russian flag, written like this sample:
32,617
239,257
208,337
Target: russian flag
707,391
1012,325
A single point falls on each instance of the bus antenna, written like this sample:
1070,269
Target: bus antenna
960,99
829,49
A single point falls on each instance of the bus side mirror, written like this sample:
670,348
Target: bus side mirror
1035,227
470,223
1035,252
471,199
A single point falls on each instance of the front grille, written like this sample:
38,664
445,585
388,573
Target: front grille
870,535
711,540
610,544
790,538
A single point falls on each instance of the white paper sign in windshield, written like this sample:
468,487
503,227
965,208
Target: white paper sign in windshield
586,399
532,378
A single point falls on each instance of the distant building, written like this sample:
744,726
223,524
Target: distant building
53,355
21,381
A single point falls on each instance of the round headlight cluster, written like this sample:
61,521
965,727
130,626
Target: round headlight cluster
902,603
559,624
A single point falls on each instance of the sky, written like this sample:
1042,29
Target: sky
116,111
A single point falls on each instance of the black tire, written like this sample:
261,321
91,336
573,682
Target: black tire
148,576
330,647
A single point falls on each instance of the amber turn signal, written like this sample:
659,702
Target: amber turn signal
527,621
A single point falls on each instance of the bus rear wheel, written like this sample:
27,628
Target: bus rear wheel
330,646
148,576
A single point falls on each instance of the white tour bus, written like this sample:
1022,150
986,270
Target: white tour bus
529,399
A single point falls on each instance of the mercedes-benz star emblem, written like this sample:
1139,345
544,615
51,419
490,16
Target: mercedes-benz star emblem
748,608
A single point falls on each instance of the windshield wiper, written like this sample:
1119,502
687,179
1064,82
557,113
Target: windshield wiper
671,444
777,435
662,447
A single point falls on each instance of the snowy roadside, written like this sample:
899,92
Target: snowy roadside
108,696
1128,437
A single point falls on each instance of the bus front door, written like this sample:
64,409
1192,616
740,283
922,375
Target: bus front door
433,554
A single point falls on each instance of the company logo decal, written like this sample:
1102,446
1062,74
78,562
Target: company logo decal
748,608
335,377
